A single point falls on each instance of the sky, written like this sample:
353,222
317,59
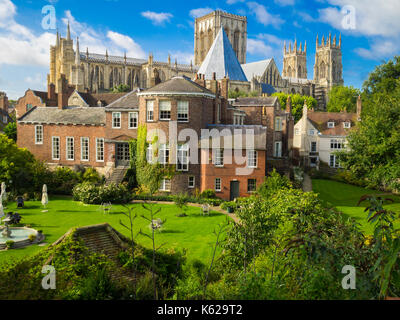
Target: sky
370,32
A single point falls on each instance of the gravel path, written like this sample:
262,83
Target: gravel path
307,183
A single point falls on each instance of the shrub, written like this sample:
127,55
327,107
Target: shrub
62,181
91,175
32,237
208,194
9,244
89,193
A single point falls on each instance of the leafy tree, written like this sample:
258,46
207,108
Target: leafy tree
297,103
343,98
272,184
384,79
16,165
10,131
374,147
121,88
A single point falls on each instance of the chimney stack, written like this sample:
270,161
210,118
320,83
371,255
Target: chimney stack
51,92
62,92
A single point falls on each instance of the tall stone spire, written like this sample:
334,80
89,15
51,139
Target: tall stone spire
340,41
305,46
284,47
58,39
68,32
317,42
77,54
87,54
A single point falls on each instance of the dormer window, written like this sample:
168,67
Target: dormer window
347,125
331,125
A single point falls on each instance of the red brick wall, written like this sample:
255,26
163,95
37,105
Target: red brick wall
28,98
209,172
26,139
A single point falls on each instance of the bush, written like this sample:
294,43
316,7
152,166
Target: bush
9,244
89,193
208,194
62,181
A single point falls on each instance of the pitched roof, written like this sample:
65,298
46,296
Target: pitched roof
178,85
255,102
222,60
320,121
54,115
256,69
127,101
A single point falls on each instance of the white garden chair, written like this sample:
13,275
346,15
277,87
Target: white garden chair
205,209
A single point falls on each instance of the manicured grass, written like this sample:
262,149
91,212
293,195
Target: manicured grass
194,232
345,198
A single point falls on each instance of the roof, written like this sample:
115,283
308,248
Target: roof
236,137
320,121
178,85
105,98
256,69
297,80
267,88
43,95
54,115
222,60
127,101
256,102
102,58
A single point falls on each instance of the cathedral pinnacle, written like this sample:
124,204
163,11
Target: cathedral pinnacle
68,32
77,54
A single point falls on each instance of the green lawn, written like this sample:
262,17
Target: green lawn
345,198
195,232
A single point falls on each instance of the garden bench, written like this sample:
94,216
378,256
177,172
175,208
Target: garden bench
205,209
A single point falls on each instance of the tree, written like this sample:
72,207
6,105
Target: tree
374,146
16,165
384,79
343,98
297,103
10,131
121,88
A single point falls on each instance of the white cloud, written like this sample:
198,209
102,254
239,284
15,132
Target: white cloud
233,1
157,18
373,17
200,12
131,47
267,46
378,20
263,16
182,57
285,2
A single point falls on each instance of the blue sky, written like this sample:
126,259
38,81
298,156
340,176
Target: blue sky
163,27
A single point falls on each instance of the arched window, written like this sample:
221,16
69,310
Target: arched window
289,72
236,42
322,70
299,74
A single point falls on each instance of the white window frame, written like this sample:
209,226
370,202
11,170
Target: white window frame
331,125
164,154
248,185
278,150
337,144
67,148
252,159
218,184
149,153
311,132
347,125
150,110
39,134
191,184
165,106
114,118
53,139
311,146
335,161
82,149
278,124
182,152
165,185
100,145
133,117
183,106
219,157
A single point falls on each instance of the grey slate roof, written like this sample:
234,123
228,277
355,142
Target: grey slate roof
255,69
255,102
95,57
129,101
53,115
222,60
178,85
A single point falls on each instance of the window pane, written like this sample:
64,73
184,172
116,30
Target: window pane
56,148
70,149
133,120
252,185
183,110
218,184
99,150
165,110
150,110
85,149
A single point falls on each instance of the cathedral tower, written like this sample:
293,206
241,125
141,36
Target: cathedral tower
328,69
207,28
295,61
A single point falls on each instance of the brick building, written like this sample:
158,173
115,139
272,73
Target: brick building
183,113
4,111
